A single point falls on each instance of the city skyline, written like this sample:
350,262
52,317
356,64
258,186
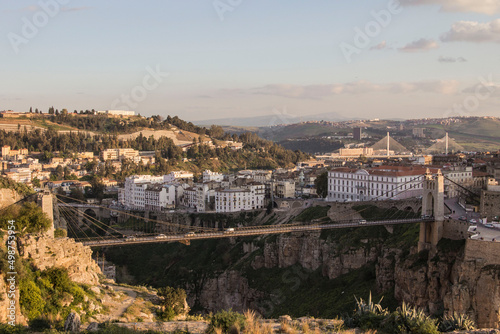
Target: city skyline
222,59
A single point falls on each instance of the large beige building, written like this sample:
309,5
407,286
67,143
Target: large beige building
377,183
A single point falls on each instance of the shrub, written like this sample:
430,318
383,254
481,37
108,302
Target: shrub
368,314
456,322
9,329
226,321
408,319
173,302
30,299
60,233
39,324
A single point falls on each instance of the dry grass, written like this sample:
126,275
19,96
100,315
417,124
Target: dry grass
286,328
253,325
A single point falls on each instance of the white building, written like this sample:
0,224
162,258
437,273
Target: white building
212,176
460,175
378,183
285,189
249,197
158,197
117,112
120,154
133,194
198,197
22,175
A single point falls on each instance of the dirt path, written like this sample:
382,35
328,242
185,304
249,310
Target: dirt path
117,308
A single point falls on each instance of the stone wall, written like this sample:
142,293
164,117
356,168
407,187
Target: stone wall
490,204
455,229
64,253
487,252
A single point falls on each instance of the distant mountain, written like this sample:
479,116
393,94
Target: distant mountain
271,120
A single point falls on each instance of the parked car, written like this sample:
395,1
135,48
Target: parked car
473,221
488,225
463,218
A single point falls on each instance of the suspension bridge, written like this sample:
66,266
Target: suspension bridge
80,222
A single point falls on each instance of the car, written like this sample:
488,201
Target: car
473,221
160,236
229,230
362,221
131,238
463,218
488,225
189,234
472,228
426,216
475,236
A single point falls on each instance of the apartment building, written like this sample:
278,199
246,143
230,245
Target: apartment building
248,197
285,189
212,176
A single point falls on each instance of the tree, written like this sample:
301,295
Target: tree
36,182
321,184
29,218
173,302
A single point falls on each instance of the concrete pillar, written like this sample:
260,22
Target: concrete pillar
46,202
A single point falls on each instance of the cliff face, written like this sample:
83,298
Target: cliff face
8,197
440,283
445,282
46,252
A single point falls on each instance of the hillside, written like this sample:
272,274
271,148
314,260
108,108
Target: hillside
470,134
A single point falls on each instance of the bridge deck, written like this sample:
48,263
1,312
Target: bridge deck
245,231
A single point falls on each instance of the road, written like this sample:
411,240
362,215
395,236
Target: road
245,231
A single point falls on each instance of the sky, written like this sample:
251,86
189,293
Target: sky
210,59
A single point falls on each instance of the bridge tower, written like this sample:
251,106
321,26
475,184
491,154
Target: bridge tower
432,205
46,201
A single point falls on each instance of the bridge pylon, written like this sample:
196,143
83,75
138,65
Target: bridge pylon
432,206
45,200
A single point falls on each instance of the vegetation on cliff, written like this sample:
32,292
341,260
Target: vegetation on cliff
21,188
28,217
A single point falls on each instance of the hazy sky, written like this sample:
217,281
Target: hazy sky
203,59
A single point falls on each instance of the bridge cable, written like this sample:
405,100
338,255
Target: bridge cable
65,204
144,218
90,218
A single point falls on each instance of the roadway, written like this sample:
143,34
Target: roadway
243,232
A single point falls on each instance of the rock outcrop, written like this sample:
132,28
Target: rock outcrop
46,252
8,197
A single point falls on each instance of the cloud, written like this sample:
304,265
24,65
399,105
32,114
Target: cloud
443,59
380,46
353,88
471,31
420,45
489,7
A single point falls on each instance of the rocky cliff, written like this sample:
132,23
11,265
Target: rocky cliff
317,273
45,252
